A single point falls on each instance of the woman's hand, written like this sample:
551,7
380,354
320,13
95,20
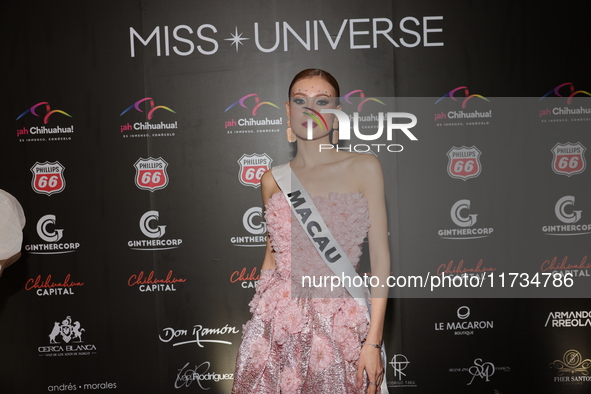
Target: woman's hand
370,360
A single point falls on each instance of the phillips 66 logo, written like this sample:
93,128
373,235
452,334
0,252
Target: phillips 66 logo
464,162
150,173
48,178
569,159
252,168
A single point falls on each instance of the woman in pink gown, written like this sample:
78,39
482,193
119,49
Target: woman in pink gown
297,342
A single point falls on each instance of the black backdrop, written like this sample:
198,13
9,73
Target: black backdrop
102,315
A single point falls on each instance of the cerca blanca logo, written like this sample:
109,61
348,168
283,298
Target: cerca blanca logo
47,231
466,222
65,339
253,222
565,211
155,232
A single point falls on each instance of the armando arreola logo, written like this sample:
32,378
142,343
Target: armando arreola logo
47,231
155,232
466,222
254,223
572,368
150,173
569,319
148,128
44,133
569,159
565,211
252,168
48,177
65,339
464,162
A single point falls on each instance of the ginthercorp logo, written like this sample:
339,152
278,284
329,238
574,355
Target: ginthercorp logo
569,158
65,339
252,168
40,133
565,211
464,326
253,222
49,231
150,227
572,368
460,97
48,177
569,319
399,364
461,216
148,128
151,174
464,162
253,124
308,35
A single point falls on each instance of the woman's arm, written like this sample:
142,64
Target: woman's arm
268,188
368,171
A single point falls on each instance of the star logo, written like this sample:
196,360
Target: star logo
236,38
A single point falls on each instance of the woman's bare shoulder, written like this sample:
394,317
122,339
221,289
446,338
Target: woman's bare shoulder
268,186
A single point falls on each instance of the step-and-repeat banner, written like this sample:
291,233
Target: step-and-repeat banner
134,134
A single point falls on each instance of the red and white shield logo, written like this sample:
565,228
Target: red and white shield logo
464,162
252,168
48,177
150,173
569,159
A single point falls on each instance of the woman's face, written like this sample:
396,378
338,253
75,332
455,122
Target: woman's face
307,97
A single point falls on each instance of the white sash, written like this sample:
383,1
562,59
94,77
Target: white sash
326,245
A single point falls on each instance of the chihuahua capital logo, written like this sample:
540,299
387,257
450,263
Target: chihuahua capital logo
467,96
151,110
34,110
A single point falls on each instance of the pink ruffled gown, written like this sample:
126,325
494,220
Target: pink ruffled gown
304,345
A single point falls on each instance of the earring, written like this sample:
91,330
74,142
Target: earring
335,137
335,132
291,137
